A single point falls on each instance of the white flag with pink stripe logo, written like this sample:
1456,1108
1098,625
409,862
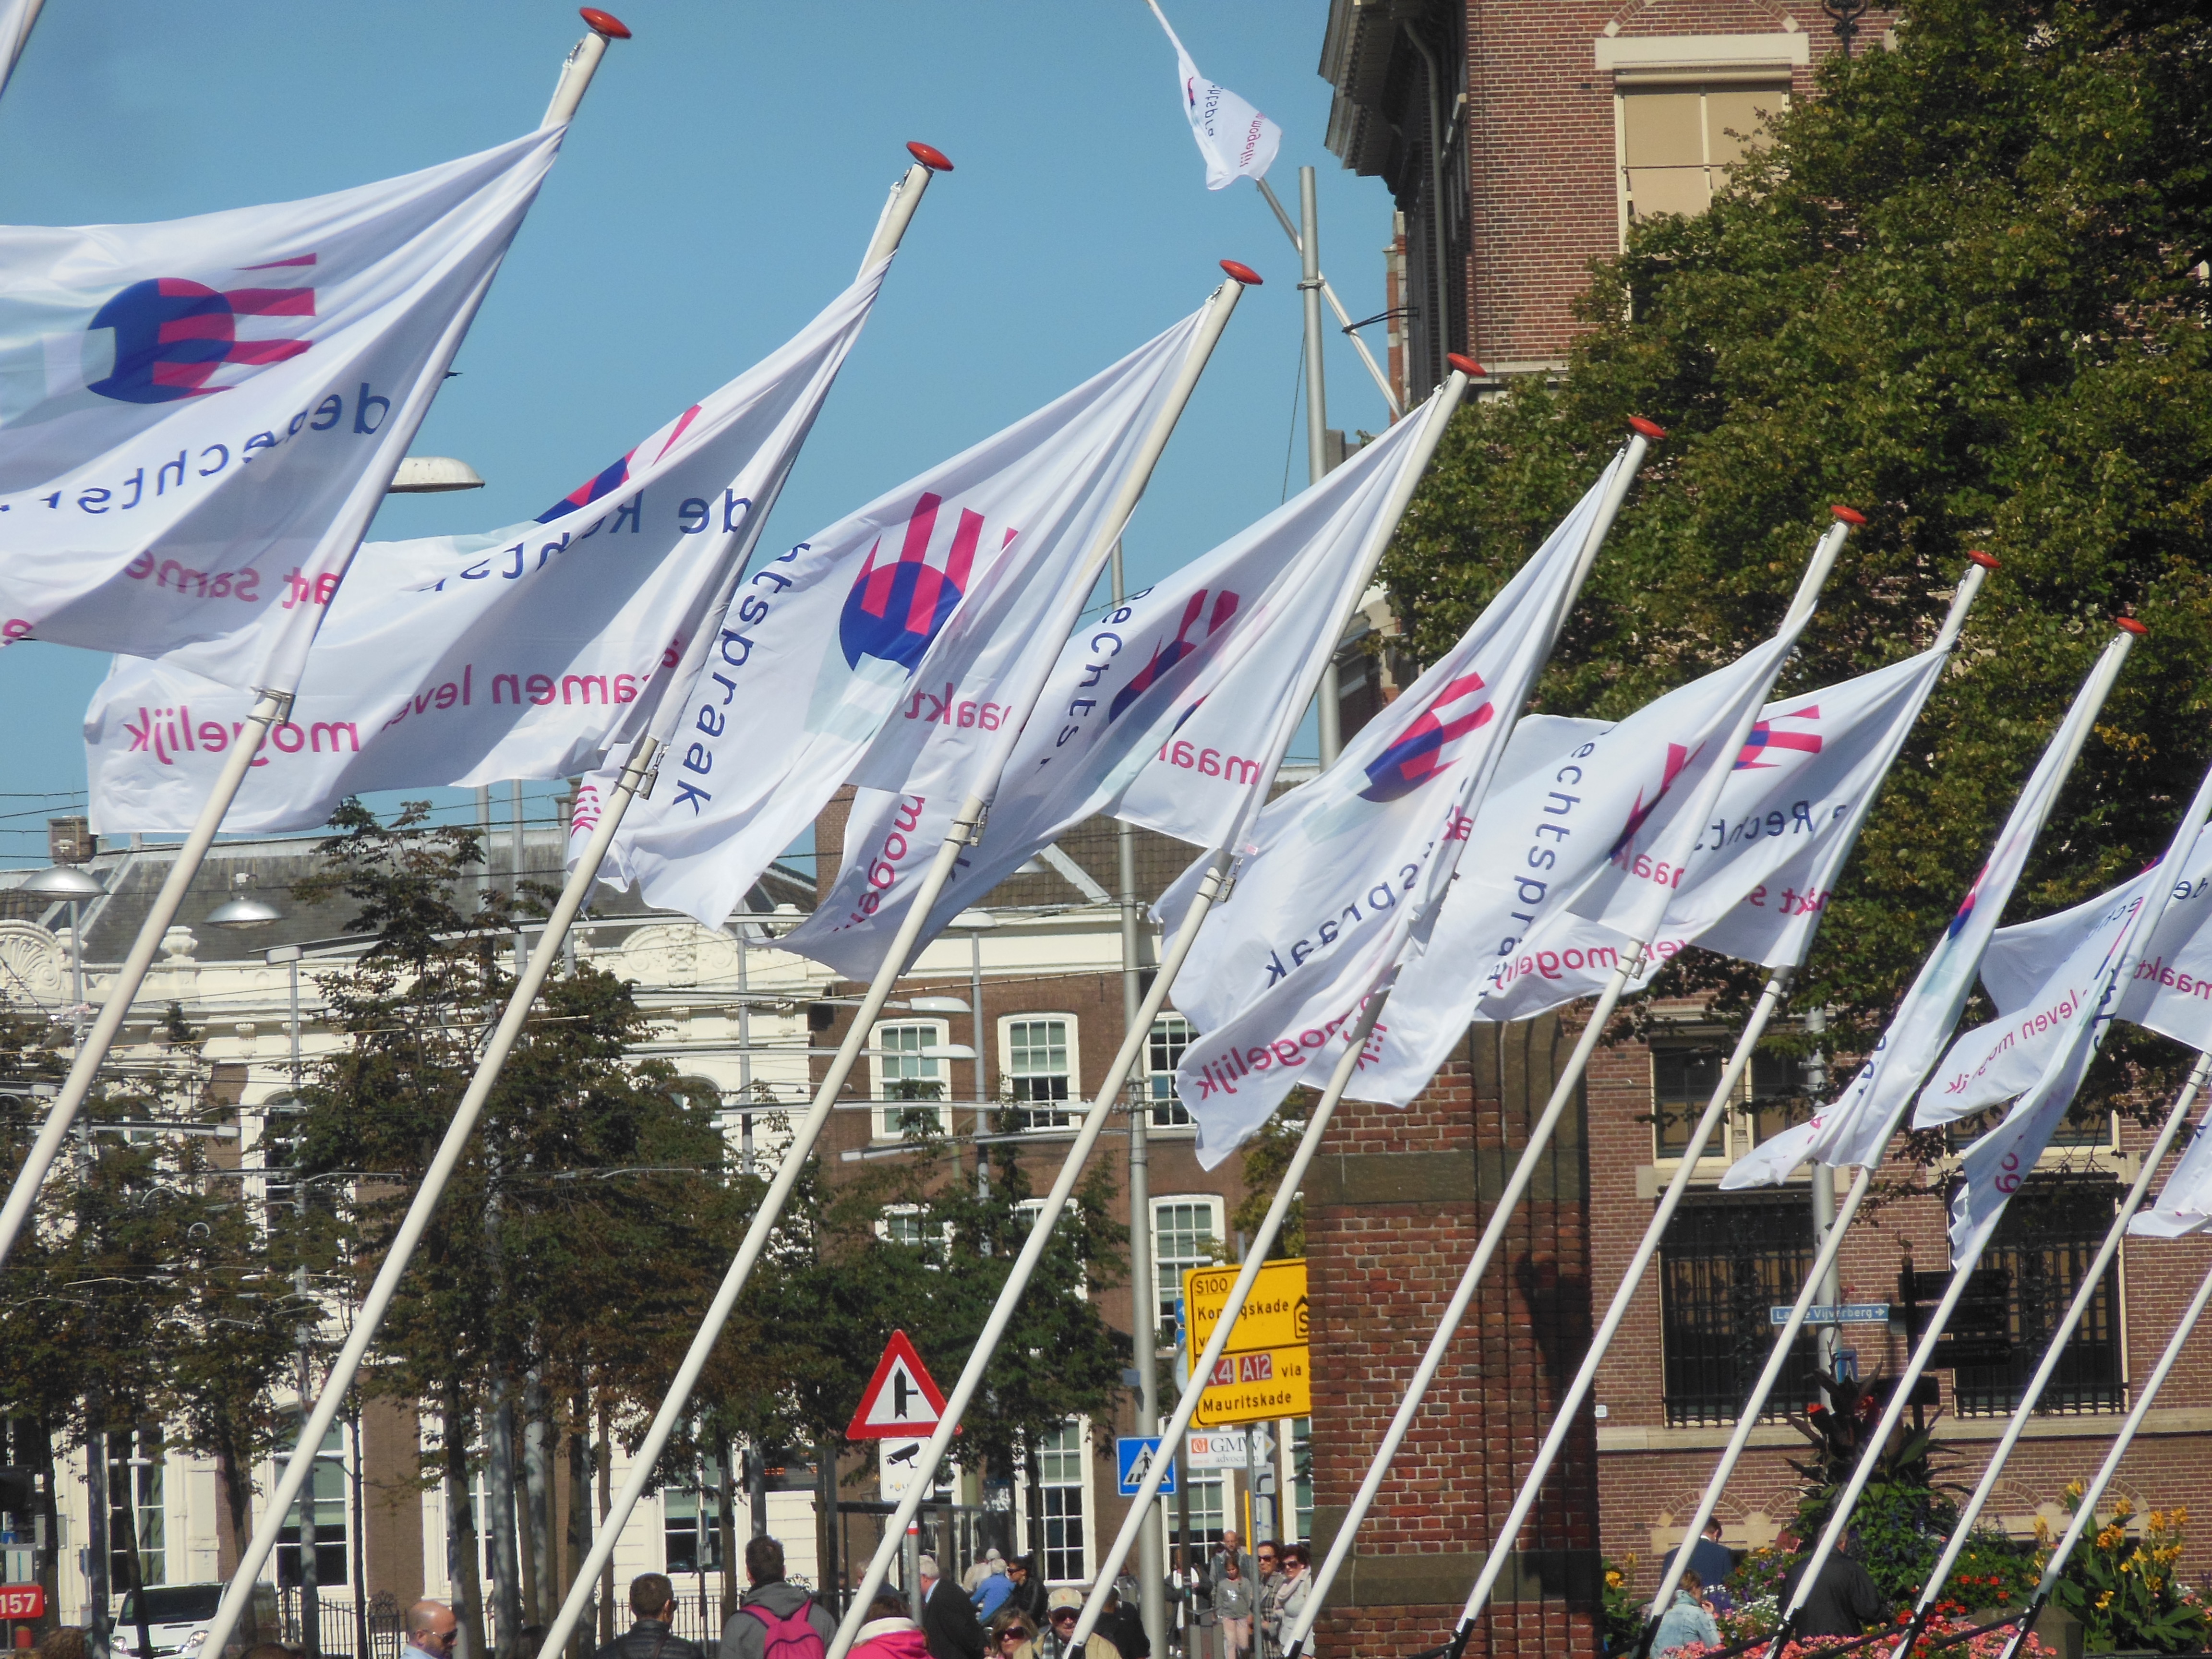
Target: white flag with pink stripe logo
198,418
843,655
1339,878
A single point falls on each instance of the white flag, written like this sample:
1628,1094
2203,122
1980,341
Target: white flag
16,17
1993,1168
2185,1205
1857,1126
527,651
1340,875
1250,618
905,618
198,418
1237,141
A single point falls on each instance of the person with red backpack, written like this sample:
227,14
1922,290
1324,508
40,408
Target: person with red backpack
776,1619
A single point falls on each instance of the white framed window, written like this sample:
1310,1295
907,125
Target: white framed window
1185,1234
1209,1512
1171,1035
908,1226
1057,1534
905,1072
692,1522
1300,1442
333,1558
1680,134
1037,1059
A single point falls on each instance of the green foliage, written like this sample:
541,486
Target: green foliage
2124,1587
1959,292
1620,1614
1993,1570
1266,1155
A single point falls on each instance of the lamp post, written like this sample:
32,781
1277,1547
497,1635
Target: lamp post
1846,14
245,913
75,885
975,924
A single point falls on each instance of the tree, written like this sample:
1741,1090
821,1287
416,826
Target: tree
1959,290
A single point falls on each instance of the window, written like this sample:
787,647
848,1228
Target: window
1300,1478
1767,1100
690,1523
136,1495
1208,1509
1038,1072
2045,1243
905,1071
1056,1534
1721,1265
1680,139
907,1224
328,1490
1185,1234
1171,1035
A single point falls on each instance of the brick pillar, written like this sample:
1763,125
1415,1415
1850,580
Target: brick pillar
1394,1205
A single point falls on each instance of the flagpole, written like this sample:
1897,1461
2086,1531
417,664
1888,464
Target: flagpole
1632,1280
1832,1245
2084,1294
2086,1511
1643,433
2145,924
1134,1039
1343,317
13,49
963,833
582,63
277,1513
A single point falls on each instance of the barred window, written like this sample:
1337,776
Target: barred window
2045,1243
1722,1264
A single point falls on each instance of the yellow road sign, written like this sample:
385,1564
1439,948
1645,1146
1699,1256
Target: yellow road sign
1257,1388
1273,1316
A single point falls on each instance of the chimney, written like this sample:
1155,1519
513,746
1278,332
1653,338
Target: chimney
68,840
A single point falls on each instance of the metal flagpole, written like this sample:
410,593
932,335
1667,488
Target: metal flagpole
582,63
2086,1511
301,1466
1135,1037
2143,926
11,47
1343,317
270,706
636,777
1747,1420
1202,1368
1632,1280
2084,1294
1330,713
1524,1171
965,828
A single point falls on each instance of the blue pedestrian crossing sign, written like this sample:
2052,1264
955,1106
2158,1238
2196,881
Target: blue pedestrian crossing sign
1134,1454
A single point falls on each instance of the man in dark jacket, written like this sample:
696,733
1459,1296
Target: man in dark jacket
1844,1601
653,1602
948,1620
1030,1593
770,1600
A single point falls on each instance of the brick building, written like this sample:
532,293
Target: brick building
1520,141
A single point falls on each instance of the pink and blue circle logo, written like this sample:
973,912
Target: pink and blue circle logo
171,334
1428,748
896,609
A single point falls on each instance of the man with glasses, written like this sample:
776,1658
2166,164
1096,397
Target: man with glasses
1066,1609
432,1630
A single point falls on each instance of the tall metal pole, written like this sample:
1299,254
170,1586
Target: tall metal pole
975,1025
1332,734
965,830
1144,1309
1824,1178
1343,317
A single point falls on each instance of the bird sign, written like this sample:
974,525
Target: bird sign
900,1401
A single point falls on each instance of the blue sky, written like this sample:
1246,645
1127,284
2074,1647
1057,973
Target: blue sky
718,187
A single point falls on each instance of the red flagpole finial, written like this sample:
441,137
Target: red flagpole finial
1240,272
1465,365
1987,560
2129,624
603,22
930,156
1850,517
1650,429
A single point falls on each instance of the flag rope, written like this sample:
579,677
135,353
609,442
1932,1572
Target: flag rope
276,1512
2084,1294
1134,1039
2075,733
963,830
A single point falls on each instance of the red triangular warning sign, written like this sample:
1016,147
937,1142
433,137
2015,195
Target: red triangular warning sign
900,1401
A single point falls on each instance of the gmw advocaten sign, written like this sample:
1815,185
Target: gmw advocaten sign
1274,1315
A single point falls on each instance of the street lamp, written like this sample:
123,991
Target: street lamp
75,885
975,924
242,910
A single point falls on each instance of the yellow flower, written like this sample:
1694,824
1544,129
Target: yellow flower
2104,1600
2123,1509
